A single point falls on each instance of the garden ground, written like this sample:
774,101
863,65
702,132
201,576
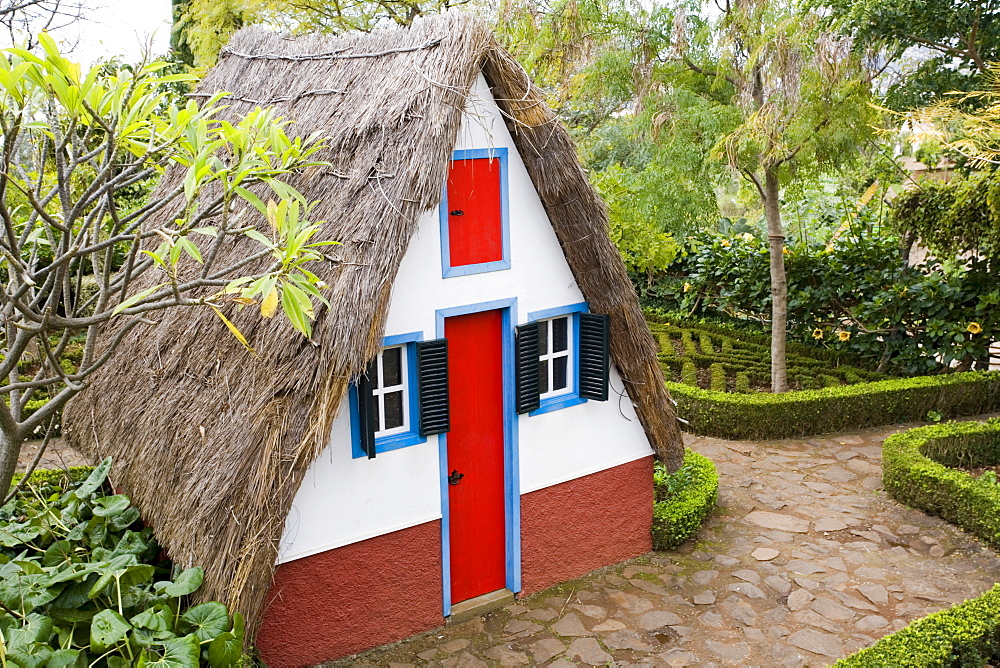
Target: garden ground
804,561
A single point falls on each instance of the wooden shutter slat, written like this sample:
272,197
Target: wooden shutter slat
432,385
594,356
366,411
526,367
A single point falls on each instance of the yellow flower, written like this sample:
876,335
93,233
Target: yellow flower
687,287
844,336
725,242
786,251
817,333
974,328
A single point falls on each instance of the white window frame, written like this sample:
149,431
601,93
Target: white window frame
378,394
569,353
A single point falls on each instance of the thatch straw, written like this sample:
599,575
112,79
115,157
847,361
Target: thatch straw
211,442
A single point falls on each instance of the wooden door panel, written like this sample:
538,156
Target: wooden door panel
476,452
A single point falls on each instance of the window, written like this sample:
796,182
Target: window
390,392
562,358
555,364
402,397
475,235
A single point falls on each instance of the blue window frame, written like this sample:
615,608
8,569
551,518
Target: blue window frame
559,371
404,430
448,271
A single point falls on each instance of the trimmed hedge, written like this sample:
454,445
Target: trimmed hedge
682,500
915,471
804,413
967,634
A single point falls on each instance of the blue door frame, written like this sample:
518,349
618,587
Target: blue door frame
512,484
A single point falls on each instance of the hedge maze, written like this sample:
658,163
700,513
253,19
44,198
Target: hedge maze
717,358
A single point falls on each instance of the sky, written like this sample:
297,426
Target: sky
119,27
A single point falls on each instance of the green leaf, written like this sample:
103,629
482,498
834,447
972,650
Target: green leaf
107,506
207,620
157,618
67,658
59,552
225,651
93,481
185,583
106,629
173,653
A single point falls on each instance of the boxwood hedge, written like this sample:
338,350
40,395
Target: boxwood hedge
915,471
804,413
683,500
967,634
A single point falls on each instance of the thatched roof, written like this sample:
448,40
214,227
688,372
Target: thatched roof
212,443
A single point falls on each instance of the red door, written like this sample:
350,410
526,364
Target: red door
476,452
475,227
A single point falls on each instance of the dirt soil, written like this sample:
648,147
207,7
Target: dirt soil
58,455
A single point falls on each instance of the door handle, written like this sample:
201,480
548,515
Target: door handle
455,478
457,212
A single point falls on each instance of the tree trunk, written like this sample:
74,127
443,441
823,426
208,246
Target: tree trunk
10,448
779,282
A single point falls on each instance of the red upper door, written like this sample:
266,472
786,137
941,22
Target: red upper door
476,454
475,217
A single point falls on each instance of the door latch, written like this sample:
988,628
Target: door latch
457,212
455,478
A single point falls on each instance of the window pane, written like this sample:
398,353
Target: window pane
393,410
392,367
543,376
559,373
543,337
372,372
559,334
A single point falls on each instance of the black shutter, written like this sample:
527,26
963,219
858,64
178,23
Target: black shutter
594,356
526,371
366,411
432,384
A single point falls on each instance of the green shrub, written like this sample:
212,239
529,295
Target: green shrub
82,584
682,500
718,377
689,348
689,374
706,343
742,382
51,481
762,415
967,634
915,471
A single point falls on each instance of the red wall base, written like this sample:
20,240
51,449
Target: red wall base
354,597
572,528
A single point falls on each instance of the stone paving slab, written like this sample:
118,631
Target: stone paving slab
805,560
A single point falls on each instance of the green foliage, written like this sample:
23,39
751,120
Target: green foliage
967,634
682,500
689,373
916,470
81,584
742,383
955,217
747,353
762,415
959,36
855,296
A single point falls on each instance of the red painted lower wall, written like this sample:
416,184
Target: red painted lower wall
354,597
572,528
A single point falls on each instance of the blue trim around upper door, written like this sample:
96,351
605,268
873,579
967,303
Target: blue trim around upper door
571,398
396,441
448,271
512,477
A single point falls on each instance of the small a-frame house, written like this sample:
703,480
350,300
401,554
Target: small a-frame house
478,410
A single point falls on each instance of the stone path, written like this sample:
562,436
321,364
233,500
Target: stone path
805,561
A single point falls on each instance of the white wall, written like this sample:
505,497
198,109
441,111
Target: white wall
344,500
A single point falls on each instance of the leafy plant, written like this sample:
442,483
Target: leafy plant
81,584
682,500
